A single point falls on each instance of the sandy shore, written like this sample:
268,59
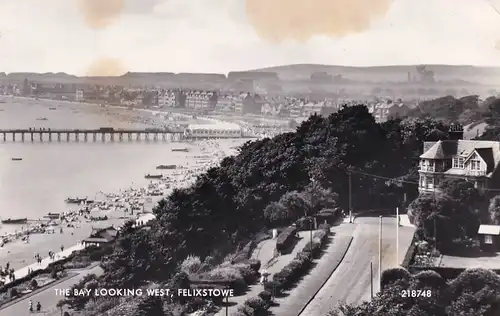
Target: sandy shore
117,205
208,153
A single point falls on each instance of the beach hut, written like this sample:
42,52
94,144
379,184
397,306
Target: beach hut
489,237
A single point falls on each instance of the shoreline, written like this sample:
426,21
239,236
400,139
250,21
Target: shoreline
20,255
116,206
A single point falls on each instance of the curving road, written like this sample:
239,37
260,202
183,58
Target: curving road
350,282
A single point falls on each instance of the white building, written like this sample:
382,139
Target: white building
218,130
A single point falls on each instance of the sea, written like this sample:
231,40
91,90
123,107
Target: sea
50,172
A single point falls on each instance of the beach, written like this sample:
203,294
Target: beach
111,175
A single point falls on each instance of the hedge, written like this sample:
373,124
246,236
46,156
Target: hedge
300,266
255,306
285,239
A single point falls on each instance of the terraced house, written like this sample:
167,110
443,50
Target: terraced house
473,160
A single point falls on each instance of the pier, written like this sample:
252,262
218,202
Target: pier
89,135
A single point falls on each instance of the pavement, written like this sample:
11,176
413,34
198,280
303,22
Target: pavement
22,272
351,282
47,297
265,252
485,261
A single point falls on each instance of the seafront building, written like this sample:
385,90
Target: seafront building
472,160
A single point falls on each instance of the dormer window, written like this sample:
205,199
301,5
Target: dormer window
458,162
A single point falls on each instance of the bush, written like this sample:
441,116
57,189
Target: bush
257,304
265,296
191,265
273,287
249,275
303,223
14,292
254,264
230,274
393,275
286,238
34,284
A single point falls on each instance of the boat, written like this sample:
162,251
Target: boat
15,221
3,101
52,108
166,167
75,200
42,119
17,159
181,149
53,215
153,176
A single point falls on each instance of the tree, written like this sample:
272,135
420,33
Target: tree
494,210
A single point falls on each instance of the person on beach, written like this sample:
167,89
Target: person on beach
31,306
38,307
62,248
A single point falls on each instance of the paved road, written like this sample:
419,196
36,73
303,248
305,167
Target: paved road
47,297
350,283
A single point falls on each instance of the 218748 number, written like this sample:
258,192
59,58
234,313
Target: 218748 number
416,293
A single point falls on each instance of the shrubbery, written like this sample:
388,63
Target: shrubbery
299,266
285,239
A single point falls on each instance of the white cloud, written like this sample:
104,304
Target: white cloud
214,36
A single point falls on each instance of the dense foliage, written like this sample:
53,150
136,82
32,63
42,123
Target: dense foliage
274,182
228,203
454,213
474,292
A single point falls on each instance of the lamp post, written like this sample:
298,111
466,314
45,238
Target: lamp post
380,254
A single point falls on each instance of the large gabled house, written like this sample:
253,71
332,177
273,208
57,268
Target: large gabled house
473,160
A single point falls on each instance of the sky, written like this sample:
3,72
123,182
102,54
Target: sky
110,37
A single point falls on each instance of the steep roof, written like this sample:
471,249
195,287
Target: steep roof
487,155
435,152
447,149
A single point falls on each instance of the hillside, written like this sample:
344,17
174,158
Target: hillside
294,78
483,75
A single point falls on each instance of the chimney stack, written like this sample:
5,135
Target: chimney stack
456,131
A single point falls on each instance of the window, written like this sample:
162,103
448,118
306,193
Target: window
488,239
475,165
431,165
423,182
458,162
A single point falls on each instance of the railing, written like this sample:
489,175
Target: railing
427,168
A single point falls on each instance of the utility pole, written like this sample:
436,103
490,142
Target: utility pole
380,255
371,280
397,236
350,199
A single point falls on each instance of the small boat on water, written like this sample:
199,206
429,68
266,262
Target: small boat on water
52,109
53,215
181,149
42,119
166,167
17,159
15,221
153,176
75,200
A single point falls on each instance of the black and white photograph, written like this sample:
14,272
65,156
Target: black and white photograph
250,157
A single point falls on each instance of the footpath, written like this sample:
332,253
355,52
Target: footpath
305,291
265,252
20,273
